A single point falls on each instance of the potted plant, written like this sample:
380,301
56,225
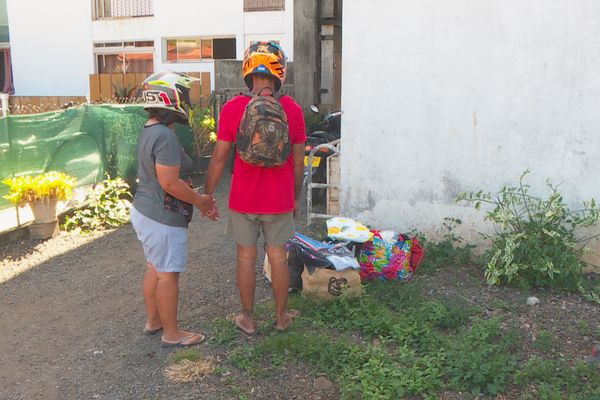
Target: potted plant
202,123
124,93
41,192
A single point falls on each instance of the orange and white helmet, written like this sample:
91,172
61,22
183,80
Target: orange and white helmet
266,58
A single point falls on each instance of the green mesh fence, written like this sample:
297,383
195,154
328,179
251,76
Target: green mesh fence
86,142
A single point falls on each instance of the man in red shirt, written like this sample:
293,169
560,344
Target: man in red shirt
261,198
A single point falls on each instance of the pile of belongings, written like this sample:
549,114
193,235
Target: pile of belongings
385,255
315,254
354,254
330,270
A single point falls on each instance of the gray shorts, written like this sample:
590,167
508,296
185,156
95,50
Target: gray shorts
245,229
164,246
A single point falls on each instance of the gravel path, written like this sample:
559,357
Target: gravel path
72,316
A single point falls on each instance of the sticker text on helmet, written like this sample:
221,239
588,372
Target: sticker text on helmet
156,97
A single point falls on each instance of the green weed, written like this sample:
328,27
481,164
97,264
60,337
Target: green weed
555,380
543,341
186,354
584,327
450,251
481,359
224,332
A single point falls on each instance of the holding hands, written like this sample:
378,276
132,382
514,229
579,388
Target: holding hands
207,204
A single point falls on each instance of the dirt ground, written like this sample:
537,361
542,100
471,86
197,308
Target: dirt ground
72,318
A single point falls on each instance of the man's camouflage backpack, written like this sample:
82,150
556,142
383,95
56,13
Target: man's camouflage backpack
263,137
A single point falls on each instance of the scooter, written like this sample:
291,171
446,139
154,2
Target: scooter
325,131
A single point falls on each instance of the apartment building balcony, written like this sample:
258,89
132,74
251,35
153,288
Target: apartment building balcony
111,9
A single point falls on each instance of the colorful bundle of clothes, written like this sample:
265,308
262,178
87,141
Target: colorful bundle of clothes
389,256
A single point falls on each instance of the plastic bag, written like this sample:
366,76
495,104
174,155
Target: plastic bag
348,230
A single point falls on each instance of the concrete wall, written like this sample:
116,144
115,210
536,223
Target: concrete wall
471,94
51,46
228,77
64,40
3,13
305,48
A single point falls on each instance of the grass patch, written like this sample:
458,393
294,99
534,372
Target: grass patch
450,251
185,354
396,342
584,327
555,380
224,332
399,341
544,341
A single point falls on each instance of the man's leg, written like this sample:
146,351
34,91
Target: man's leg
246,281
167,299
149,289
280,281
278,229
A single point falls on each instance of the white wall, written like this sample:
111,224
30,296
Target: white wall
271,25
51,46
446,96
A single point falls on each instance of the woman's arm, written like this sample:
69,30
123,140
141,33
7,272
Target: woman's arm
168,178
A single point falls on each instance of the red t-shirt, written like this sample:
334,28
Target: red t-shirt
258,190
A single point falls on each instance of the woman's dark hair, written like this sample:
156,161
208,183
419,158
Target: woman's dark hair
166,117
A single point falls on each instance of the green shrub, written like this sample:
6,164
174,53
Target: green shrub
107,207
535,241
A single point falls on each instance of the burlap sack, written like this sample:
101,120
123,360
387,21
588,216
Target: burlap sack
329,284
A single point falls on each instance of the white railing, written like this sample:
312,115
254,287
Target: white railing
123,8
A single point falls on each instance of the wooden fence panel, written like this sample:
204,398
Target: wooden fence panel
195,94
105,89
205,88
102,86
95,87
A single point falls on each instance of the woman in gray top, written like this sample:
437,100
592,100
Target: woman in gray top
163,204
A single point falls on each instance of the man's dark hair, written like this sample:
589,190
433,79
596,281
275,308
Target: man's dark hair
166,117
